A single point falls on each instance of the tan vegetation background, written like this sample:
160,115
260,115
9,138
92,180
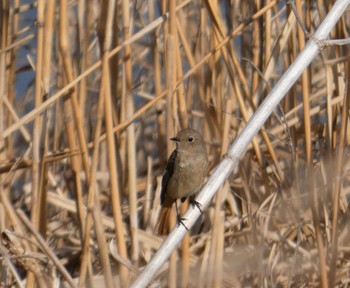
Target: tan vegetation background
90,93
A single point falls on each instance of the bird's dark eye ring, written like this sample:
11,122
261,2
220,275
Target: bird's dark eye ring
190,139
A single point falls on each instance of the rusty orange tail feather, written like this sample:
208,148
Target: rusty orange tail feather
162,226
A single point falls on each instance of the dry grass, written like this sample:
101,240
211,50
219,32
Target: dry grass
91,92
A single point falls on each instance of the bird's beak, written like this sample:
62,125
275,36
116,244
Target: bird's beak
175,139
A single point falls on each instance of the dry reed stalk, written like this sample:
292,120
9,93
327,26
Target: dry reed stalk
330,108
305,92
212,78
116,80
268,35
131,141
215,72
93,193
102,243
84,16
45,86
218,271
318,233
111,147
148,192
12,70
308,150
337,182
69,112
3,44
42,201
204,272
73,98
172,276
257,49
85,262
185,254
170,34
182,107
247,206
37,132
48,39
157,83
15,44
37,121
216,239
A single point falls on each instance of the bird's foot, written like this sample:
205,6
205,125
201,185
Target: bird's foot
193,202
180,220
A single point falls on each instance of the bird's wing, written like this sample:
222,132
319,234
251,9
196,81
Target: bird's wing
169,170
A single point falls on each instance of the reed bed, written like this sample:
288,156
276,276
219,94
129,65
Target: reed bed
92,91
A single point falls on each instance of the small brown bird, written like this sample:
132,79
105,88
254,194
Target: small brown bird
184,174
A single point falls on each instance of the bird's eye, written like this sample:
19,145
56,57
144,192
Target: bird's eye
190,139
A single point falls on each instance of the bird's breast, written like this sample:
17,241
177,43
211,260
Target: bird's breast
188,176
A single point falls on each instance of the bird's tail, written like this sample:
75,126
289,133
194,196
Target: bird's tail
162,226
